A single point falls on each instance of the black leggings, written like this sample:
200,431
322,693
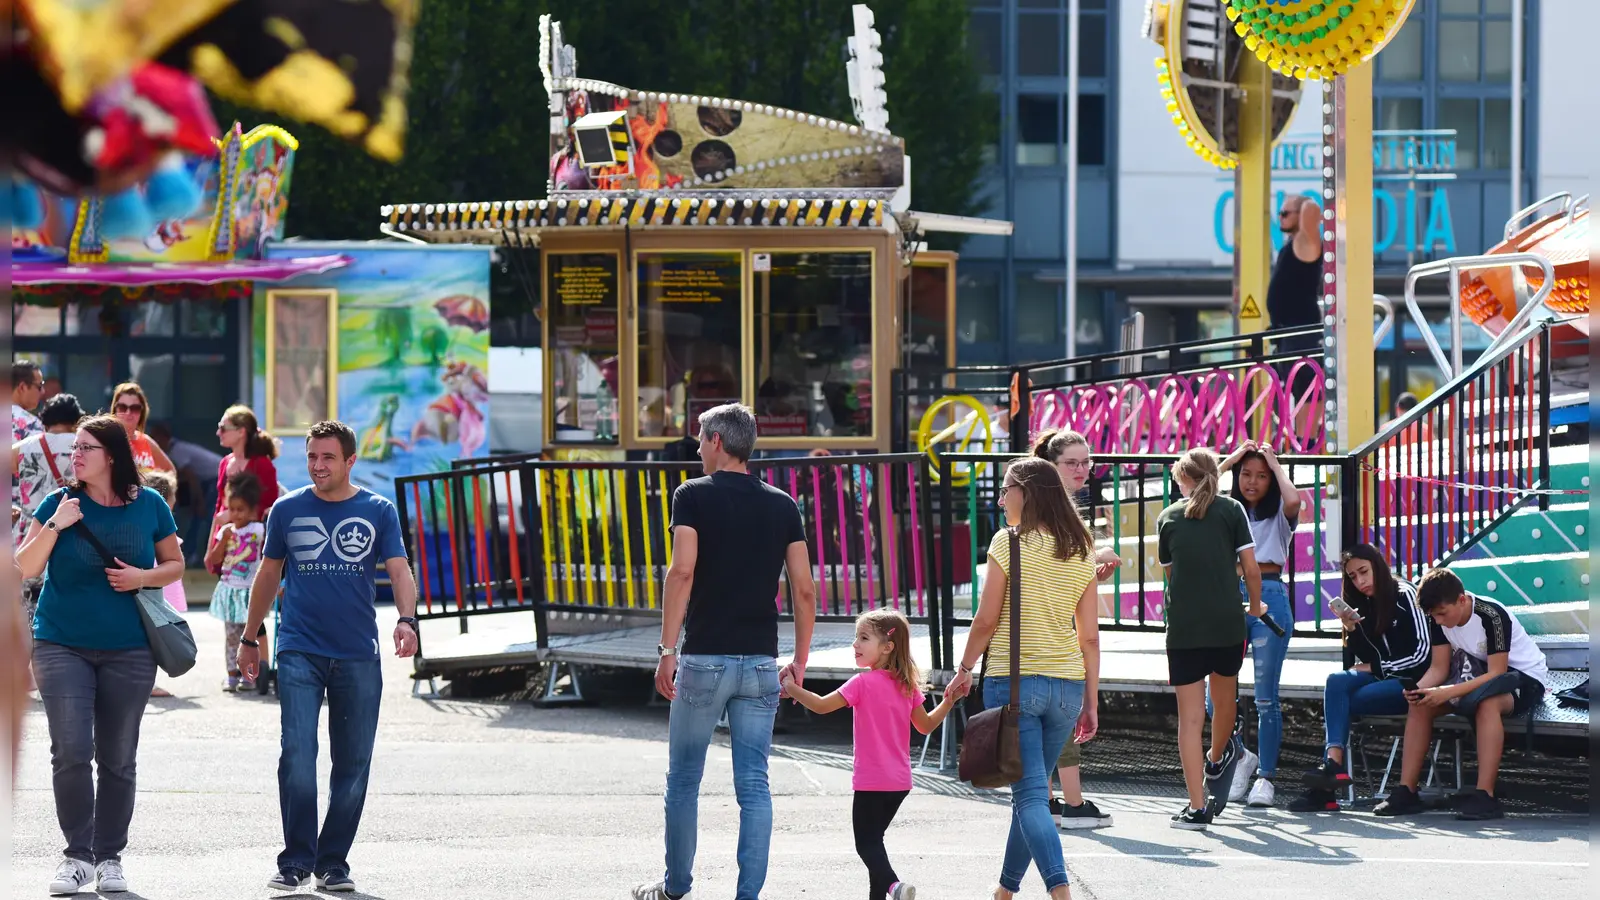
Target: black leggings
870,815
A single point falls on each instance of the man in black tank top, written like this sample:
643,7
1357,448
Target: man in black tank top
1294,294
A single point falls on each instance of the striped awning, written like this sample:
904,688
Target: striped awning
481,222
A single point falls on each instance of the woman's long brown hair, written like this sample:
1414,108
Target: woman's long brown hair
1046,507
257,441
125,480
1200,467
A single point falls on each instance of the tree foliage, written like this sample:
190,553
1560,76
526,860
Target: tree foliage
480,124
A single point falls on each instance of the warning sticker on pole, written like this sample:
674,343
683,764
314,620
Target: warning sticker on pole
1250,309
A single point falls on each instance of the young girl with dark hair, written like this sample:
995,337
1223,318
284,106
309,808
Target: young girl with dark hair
1204,544
251,450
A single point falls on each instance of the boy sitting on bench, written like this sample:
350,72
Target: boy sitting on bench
1496,670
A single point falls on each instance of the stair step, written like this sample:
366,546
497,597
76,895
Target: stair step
1554,618
1534,580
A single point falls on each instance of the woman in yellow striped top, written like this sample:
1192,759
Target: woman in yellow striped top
1058,660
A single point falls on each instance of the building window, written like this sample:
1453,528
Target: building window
983,38
1038,310
581,378
1039,44
1038,129
690,338
977,306
814,344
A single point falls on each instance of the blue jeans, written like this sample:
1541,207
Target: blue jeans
354,688
747,688
1350,694
1267,652
1049,712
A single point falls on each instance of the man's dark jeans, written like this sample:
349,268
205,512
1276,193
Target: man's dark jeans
94,701
353,688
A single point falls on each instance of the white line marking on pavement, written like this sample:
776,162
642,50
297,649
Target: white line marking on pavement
1334,856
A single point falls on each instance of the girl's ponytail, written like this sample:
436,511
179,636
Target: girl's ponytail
1200,467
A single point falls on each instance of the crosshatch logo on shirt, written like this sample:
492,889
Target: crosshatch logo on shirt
351,540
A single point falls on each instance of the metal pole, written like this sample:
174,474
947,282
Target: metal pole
1074,20
1517,13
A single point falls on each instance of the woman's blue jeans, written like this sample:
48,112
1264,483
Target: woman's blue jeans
1267,653
1049,712
1353,693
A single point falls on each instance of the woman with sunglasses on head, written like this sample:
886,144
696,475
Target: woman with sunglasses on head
1068,451
91,658
132,408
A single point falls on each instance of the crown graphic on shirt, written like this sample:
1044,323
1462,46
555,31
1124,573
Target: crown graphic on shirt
354,541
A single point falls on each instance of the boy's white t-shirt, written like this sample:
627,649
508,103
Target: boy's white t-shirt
1493,629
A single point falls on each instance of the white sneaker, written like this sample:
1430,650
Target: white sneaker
109,878
902,891
71,875
1241,776
657,891
1262,794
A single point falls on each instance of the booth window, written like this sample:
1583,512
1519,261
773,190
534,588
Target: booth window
813,344
582,292
691,334
302,358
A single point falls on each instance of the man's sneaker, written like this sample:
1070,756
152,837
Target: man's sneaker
336,880
1220,775
290,879
1262,795
1192,819
902,891
1084,815
71,875
657,891
1403,801
1241,779
230,685
1315,800
1330,776
246,686
109,878
1479,806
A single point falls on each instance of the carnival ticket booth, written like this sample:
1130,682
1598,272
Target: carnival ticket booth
694,251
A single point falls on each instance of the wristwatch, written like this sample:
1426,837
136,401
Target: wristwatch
664,650
409,620
52,526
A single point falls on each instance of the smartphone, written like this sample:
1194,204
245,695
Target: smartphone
1410,684
1342,608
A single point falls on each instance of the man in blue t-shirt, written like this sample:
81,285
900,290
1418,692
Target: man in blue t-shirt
324,545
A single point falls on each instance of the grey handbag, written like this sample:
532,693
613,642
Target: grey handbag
171,641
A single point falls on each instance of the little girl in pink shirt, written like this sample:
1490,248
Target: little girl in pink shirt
887,701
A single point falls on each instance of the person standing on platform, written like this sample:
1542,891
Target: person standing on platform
1295,292
732,535
338,535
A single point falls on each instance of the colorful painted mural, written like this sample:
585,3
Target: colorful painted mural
410,356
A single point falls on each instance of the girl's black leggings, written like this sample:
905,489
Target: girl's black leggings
870,815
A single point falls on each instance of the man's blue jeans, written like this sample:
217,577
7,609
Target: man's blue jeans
354,688
747,688
1049,712
1267,653
1354,693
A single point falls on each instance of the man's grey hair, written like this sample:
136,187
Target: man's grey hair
736,424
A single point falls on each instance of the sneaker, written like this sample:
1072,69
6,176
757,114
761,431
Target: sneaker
1403,801
1057,809
1479,806
109,878
1192,819
902,891
1084,815
230,685
71,875
290,879
1241,781
1330,776
1262,795
246,686
336,880
657,891
1220,775
1315,800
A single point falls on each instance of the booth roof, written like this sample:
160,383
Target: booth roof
138,274
478,222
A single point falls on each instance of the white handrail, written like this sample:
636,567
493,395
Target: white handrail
1387,325
1517,217
1453,266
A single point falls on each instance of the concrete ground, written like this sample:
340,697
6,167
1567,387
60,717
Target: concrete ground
487,799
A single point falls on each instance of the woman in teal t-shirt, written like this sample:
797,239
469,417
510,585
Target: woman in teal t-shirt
90,656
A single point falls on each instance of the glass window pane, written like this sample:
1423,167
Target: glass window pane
1400,113
297,381
1497,7
814,345
35,320
203,385
977,307
202,318
1497,52
991,149
1458,51
153,318
926,341
1039,44
582,291
1041,4
1092,46
1458,7
1091,129
1462,115
1038,129
154,373
88,318
983,39
1497,134
690,338
88,377
1038,311
1401,60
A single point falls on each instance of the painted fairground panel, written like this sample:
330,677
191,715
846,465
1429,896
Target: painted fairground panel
411,354
813,332
261,195
581,394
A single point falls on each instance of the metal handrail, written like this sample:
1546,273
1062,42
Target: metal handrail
1387,325
1513,224
1453,266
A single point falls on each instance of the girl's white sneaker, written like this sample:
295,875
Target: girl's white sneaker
1262,794
71,875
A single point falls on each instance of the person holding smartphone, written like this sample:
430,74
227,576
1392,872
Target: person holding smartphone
1397,646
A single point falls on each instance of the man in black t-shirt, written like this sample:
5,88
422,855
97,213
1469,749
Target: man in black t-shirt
733,534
